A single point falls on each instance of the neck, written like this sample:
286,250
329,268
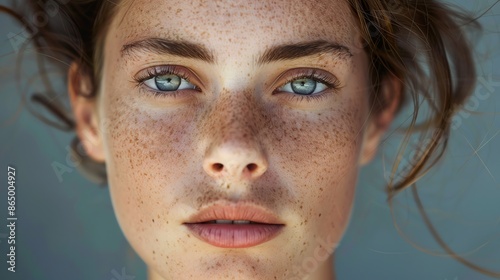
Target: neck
325,272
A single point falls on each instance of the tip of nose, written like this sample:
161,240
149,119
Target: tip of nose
229,162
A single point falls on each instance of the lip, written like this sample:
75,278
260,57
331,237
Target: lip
266,225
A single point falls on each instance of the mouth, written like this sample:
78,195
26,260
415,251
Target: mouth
235,225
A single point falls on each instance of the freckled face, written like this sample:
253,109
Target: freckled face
299,124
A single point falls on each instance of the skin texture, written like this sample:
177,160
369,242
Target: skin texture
160,151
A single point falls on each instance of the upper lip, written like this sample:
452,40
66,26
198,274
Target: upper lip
235,211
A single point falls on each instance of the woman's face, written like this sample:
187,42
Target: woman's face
270,109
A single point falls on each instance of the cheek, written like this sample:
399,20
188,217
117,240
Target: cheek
144,155
320,153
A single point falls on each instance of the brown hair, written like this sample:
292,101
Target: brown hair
421,42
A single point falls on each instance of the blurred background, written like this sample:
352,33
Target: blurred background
66,228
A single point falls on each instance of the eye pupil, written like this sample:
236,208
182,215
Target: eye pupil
168,82
304,86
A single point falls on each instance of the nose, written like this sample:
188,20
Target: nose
235,162
234,151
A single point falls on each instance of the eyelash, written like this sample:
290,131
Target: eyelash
159,71
317,76
313,74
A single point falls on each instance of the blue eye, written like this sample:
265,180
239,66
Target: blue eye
168,82
303,86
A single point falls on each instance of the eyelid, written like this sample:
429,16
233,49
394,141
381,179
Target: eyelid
293,74
181,71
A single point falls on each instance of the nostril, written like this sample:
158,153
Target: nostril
218,167
251,167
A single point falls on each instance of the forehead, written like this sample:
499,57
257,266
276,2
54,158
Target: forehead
243,21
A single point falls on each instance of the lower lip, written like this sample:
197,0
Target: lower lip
235,235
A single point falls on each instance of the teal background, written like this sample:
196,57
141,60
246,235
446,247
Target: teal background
67,230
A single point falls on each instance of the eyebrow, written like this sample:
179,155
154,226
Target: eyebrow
304,49
276,53
164,46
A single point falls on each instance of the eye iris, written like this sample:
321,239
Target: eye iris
168,82
304,86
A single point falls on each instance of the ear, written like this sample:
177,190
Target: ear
391,97
85,112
